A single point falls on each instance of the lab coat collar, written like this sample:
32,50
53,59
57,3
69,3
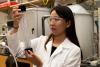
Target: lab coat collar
64,45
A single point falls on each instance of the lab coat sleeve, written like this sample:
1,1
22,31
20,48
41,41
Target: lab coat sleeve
36,42
33,44
73,59
12,41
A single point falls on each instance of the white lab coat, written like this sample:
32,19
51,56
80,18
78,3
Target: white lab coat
66,55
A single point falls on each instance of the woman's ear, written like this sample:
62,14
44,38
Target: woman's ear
68,24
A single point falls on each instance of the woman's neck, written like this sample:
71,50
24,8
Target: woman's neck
57,40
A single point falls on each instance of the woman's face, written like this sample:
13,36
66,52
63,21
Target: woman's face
57,25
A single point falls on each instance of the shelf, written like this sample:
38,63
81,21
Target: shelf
3,60
9,5
33,3
6,5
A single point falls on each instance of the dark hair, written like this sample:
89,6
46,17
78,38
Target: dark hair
66,13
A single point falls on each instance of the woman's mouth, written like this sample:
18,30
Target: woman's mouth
53,29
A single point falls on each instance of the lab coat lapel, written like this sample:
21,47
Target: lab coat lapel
63,45
60,48
48,46
57,51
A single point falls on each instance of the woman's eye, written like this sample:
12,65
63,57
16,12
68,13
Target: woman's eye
57,19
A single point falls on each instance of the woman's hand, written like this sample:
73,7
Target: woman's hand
33,58
16,16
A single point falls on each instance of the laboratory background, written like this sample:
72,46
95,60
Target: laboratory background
35,23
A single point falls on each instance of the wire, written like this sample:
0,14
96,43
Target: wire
4,44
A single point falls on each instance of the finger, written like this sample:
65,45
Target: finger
17,15
26,54
16,20
30,52
15,10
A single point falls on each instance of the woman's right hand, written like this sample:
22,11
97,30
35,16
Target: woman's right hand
16,16
33,58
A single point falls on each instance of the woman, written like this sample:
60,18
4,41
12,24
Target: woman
61,48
